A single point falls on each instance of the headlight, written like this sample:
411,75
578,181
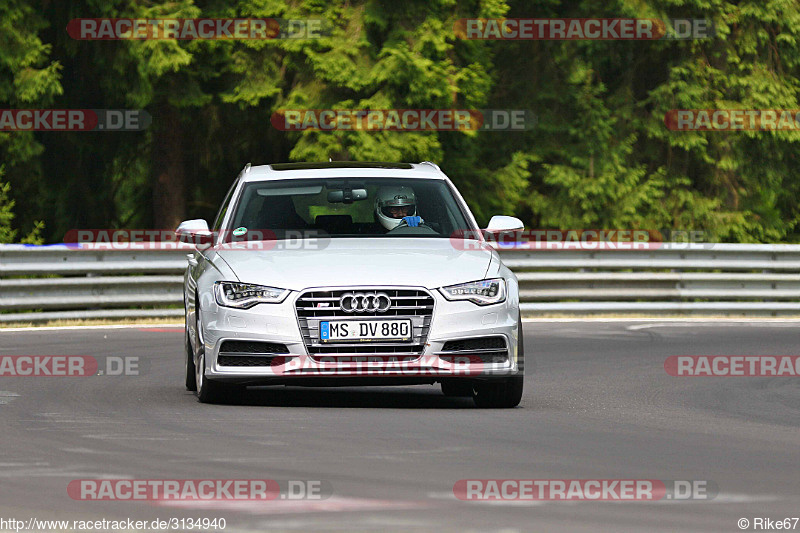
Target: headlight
246,295
483,292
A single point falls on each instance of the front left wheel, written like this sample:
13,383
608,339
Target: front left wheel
457,389
506,393
498,394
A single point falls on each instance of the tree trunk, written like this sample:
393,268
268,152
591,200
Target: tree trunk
169,174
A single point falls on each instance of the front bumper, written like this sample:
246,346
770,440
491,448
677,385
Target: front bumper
278,323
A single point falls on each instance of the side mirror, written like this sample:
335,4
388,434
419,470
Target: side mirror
195,232
502,224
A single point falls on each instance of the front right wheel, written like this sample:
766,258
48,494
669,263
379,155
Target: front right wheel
191,378
207,391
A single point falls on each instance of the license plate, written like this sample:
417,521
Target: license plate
365,330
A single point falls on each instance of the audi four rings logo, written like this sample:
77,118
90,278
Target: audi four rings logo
365,303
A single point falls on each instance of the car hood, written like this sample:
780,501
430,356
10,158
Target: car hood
428,263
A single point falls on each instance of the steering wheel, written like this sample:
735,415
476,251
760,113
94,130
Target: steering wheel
409,229
404,224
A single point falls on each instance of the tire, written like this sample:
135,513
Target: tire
498,394
507,393
208,391
457,389
520,346
191,379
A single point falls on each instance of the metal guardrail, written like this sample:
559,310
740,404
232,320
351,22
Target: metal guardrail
67,282
659,278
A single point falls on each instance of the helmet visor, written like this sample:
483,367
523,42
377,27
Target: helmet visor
399,211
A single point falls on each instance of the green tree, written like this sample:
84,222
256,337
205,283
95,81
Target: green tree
7,232
28,79
600,155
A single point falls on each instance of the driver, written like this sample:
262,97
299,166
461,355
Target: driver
396,205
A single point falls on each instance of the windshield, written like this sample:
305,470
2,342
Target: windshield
349,207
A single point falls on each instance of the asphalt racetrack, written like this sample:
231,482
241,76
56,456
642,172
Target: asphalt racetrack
598,404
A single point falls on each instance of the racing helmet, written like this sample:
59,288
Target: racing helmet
394,196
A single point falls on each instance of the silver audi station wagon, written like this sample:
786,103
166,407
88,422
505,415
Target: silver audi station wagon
350,274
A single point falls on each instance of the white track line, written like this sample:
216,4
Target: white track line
656,319
110,326
332,504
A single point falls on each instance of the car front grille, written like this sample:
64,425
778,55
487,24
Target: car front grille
475,350
316,305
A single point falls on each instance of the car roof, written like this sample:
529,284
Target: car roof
342,169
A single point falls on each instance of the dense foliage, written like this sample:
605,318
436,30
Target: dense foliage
600,156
